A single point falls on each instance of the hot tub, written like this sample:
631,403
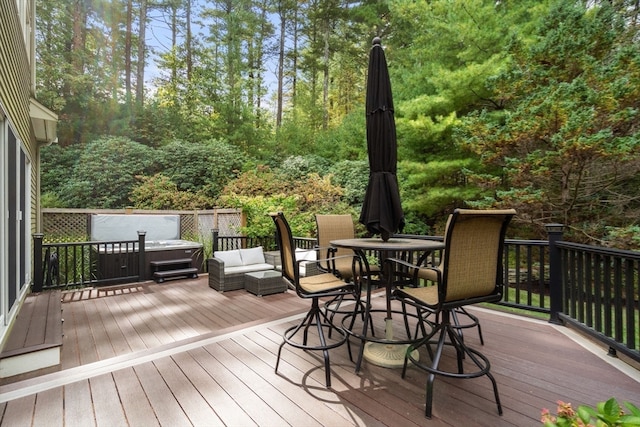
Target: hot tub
119,263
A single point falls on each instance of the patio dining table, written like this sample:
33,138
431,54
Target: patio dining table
388,351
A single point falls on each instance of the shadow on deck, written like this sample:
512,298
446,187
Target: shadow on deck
180,353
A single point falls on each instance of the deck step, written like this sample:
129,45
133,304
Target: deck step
173,268
190,272
35,340
169,262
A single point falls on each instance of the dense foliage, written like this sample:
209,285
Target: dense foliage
566,136
265,191
259,104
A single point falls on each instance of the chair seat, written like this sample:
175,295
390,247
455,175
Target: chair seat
427,295
324,282
428,274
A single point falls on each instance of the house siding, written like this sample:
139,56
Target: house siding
15,74
15,95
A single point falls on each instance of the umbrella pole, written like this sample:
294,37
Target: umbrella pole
388,355
388,328
388,321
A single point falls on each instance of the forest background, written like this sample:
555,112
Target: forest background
259,104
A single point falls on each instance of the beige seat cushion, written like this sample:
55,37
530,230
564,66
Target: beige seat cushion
429,274
427,294
321,283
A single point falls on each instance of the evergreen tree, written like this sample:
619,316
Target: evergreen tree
565,146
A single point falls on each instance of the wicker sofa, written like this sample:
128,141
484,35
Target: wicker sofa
227,268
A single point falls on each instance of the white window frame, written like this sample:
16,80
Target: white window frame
4,220
21,254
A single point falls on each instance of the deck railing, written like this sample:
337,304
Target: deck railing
600,295
526,275
72,265
594,289
268,243
80,264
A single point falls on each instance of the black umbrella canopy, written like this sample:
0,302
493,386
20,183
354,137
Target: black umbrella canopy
381,211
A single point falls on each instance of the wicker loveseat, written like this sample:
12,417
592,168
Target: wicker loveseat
227,268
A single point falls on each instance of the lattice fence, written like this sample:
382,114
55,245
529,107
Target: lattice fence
188,226
66,226
229,225
73,224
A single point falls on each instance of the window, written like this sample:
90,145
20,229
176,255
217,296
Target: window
15,229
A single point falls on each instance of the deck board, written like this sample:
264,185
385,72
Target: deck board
166,408
227,412
19,412
104,392
256,406
141,321
134,401
77,398
203,314
231,405
87,351
48,407
106,329
196,408
38,323
125,321
277,401
229,378
253,355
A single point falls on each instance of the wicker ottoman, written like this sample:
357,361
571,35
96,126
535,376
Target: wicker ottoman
264,282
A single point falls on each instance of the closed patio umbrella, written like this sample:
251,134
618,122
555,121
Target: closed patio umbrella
381,210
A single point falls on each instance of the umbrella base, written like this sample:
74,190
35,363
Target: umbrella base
387,355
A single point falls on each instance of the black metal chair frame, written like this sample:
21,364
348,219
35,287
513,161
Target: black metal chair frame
445,329
331,287
334,305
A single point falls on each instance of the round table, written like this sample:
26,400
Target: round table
387,352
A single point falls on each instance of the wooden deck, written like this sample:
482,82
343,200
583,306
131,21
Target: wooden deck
35,340
180,353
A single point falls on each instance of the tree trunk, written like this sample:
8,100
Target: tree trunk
283,20
260,59
79,35
188,52
325,72
127,54
142,47
115,52
294,65
174,42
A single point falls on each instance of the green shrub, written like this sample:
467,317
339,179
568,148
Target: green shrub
607,413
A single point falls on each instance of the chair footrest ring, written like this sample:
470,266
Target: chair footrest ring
288,338
483,365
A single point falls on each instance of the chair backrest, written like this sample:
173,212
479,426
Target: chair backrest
334,227
287,250
472,263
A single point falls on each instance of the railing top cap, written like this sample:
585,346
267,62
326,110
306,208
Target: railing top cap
554,227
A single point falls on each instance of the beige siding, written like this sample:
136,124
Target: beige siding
15,73
15,95
15,90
